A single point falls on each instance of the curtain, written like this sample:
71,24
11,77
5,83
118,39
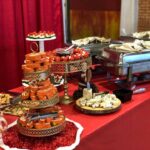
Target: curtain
17,19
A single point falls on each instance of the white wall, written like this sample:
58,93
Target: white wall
129,17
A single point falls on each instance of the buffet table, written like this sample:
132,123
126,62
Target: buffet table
127,129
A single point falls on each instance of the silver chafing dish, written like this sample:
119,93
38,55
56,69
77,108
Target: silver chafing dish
128,60
92,44
121,63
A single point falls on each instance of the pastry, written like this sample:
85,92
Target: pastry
90,40
45,120
5,98
39,90
35,62
41,35
73,54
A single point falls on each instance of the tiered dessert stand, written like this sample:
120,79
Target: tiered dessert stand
70,67
41,41
38,105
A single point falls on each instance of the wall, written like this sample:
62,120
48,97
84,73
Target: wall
144,15
129,17
91,18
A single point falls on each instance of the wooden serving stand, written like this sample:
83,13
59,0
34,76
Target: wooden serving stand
96,111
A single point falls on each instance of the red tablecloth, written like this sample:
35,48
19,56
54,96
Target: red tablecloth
127,129
65,138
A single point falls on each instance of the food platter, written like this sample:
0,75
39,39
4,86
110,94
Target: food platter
15,110
144,35
12,106
41,36
90,40
98,110
7,99
41,132
36,104
71,66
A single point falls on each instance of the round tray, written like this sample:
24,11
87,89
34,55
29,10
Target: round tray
41,132
37,75
71,66
98,111
36,104
41,39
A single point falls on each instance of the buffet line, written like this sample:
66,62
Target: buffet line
38,105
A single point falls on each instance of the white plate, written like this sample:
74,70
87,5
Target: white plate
41,39
61,83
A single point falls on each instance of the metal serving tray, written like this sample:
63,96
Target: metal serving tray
95,48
